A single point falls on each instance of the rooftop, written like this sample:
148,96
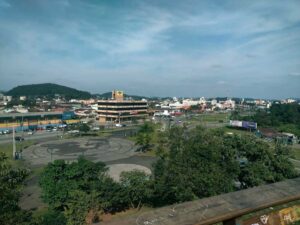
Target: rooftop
10,115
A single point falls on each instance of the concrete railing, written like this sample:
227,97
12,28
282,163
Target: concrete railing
222,208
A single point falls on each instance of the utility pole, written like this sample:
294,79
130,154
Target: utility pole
14,144
21,149
51,154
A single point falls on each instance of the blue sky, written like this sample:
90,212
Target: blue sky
154,48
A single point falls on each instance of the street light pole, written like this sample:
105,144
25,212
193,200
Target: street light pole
14,144
21,149
50,154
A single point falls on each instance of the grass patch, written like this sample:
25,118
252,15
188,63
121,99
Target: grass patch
296,151
37,171
104,134
131,138
150,153
8,150
213,117
236,131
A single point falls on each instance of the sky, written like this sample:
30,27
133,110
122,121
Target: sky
154,47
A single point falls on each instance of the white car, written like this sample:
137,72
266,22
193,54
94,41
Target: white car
5,132
119,125
73,131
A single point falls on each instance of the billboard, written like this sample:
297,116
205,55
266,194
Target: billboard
249,125
243,124
236,123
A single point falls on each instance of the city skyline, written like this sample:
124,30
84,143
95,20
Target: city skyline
157,48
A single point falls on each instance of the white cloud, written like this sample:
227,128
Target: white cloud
294,74
156,46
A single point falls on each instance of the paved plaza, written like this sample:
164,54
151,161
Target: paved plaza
118,153
94,149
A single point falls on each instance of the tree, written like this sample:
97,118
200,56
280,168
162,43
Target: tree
55,185
283,168
144,136
235,115
81,190
285,117
78,207
50,217
263,164
195,167
59,179
200,163
137,186
84,128
11,181
49,90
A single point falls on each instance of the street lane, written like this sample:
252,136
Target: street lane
7,138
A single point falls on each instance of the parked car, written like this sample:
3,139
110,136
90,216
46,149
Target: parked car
19,139
118,125
73,131
6,132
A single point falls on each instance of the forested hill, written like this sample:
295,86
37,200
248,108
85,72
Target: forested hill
48,89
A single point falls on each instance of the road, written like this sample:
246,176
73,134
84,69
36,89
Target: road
46,135
7,138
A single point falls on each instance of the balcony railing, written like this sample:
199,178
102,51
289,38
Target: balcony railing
224,208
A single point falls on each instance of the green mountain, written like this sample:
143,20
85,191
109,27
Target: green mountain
49,90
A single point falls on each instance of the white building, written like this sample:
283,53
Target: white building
176,105
229,104
94,106
7,98
22,98
189,102
202,100
214,102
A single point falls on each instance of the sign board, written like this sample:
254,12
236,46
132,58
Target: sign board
243,124
236,123
118,95
249,125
